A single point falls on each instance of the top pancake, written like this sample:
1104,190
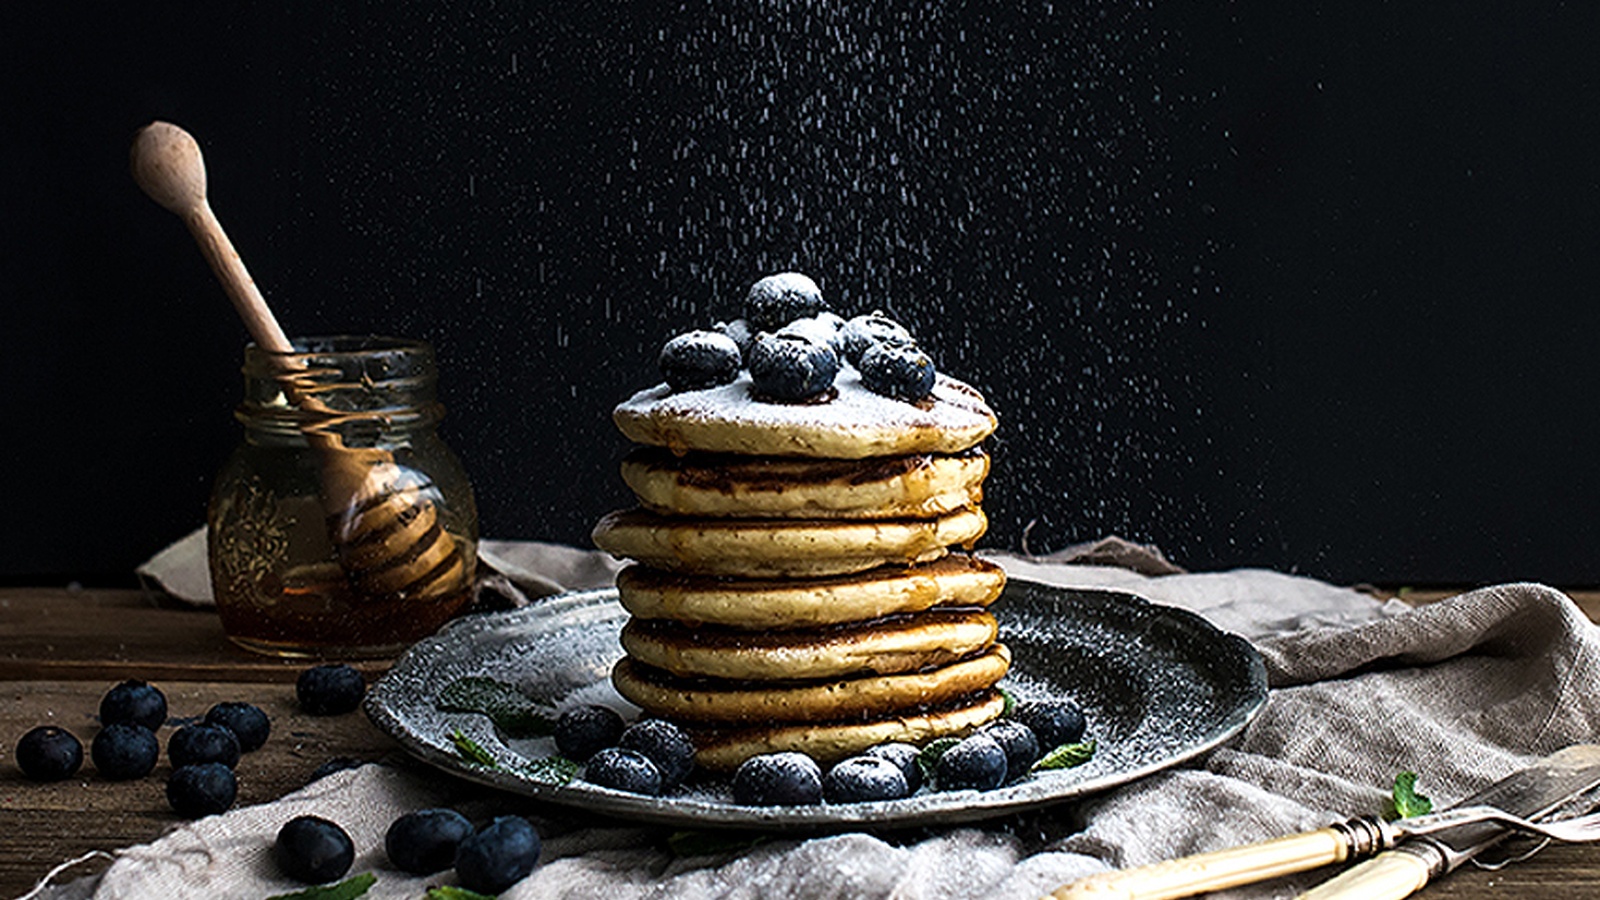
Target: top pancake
851,423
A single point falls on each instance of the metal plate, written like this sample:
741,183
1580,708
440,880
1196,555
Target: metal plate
1158,685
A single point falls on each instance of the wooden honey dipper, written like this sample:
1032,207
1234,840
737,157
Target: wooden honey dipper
383,517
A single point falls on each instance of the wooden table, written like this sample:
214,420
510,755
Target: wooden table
61,650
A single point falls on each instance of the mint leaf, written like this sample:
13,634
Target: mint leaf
510,711
348,889
711,843
472,751
1009,701
928,759
451,892
1404,800
1066,756
552,770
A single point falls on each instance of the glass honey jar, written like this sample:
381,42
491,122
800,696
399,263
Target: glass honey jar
342,526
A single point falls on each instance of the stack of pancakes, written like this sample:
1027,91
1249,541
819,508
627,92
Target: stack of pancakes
794,586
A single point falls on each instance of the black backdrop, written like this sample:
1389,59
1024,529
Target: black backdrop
1308,286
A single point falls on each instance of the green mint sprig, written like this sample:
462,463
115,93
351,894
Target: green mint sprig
1066,756
511,711
349,889
1404,801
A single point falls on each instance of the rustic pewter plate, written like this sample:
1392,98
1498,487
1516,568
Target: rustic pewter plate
1158,685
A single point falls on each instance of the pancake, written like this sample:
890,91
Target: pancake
851,422
828,742
778,548
659,693
881,647
956,580
699,484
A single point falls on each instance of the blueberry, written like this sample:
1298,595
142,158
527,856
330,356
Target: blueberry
864,778
330,690
664,744
134,703
739,331
203,789
791,367
824,328
121,752
863,332
1054,722
777,300
777,779
904,756
699,359
498,856
313,849
336,764
1020,744
425,841
194,744
624,770
246,720
899,371
977,763
585,730
48,753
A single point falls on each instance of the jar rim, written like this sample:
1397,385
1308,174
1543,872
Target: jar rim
339,345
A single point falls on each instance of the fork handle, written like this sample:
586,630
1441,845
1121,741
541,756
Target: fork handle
1216,870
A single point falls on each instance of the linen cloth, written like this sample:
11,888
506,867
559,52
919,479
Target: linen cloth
1462,692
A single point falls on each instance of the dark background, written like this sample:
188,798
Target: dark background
1307,286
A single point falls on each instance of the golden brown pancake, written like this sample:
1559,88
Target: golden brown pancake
884,646
703,484
781,548
662,694
828,742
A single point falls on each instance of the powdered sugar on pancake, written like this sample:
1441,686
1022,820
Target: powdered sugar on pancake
853,424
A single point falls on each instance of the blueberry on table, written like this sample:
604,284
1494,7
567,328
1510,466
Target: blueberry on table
330,690
203,789
664,744
777,300
977,763
699,359
899,371
1054,722
791,367
246,720
583,731
134,703
862,779
48,753
313,850
903,755
624,770
777,779
1020,744
193,744
123,752
864,332
336,764
426,841
498,856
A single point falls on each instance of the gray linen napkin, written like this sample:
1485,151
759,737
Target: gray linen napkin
1462,692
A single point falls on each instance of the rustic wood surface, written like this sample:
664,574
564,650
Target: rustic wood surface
61,650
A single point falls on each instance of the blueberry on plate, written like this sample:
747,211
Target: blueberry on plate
313,850
498,856
861,779
1054,722
246,720
863,332
896,370
664,744
425,841
977,763
330,690
791,367
193,744
122,752
48,753
699,359
777,300
624,770
203,789
583,731
777,779
1018,741
903,755
135,703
